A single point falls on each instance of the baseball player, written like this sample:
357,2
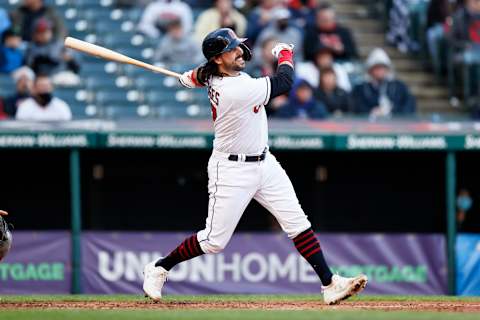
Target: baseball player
241,166
5,236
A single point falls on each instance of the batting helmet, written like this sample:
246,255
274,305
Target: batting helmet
5,238
223,40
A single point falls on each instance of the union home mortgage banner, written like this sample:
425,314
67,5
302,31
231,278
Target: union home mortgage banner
266,263
38,262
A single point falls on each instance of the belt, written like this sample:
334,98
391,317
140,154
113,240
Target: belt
256,158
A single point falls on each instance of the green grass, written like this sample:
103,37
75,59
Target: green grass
119,314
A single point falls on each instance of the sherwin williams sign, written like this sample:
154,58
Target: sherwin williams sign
266,263
38,262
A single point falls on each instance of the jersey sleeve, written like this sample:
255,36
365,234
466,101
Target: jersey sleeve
255,91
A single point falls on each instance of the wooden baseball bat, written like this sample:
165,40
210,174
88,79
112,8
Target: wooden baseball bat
104,53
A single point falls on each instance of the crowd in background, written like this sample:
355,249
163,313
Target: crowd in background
32,51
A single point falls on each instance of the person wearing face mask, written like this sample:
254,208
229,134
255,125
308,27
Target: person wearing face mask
43,106
281,29
464,204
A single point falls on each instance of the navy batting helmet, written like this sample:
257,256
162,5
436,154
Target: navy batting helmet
223,40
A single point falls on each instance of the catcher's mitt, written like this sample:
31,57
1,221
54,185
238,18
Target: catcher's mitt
5,236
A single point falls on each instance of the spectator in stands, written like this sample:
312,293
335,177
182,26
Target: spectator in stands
25,17
5,22
281,29
23,78
328,33
264,63
11,55
259,18
438,15
381,95
310,71
335,99
465,33
176,47
47,55
464,204
399,25
43,106
160,13
222,15
302,104
303,12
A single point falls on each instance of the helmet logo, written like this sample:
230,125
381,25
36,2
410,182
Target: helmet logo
232,34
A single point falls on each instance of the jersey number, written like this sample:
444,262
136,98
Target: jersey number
214,112
213,96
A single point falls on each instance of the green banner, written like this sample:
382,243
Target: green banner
47,140
204,140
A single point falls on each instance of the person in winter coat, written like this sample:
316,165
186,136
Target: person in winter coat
301,104
381,94
335,99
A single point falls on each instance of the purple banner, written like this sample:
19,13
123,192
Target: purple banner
38,262
266,263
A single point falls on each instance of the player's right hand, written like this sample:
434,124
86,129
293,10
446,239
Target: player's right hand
280,47
187,80
3,213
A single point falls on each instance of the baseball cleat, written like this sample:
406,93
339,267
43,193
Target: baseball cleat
343,288
154,279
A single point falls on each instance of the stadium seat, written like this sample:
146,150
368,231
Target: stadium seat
130,111
100,83
117,40
93,69
159,98
67,95
116,98
7,85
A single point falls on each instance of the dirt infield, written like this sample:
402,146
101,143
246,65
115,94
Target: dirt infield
440,306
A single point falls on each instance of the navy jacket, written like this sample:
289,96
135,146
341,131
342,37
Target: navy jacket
365,97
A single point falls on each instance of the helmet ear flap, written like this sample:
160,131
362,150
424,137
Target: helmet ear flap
247,53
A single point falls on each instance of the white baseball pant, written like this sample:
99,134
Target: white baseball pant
233,184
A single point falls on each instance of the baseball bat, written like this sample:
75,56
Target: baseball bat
104,53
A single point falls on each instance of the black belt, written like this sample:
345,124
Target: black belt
260,157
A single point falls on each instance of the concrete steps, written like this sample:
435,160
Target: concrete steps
369,32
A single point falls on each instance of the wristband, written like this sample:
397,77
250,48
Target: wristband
285,56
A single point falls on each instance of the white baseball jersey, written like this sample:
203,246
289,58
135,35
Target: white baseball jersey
240,123
240,120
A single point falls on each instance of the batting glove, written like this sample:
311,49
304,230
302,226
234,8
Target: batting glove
188,80
280,47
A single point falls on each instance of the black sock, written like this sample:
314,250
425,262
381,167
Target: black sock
309,247
188,249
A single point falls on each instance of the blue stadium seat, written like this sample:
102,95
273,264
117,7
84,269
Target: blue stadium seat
130,111
107,26
151,81
93,69
117,98
100,83
7,85
159,98
67,95
98,14
117,40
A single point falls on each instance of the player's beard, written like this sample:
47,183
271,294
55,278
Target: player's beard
238,64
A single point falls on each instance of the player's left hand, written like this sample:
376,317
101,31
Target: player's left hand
280,47
3,213
186,79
